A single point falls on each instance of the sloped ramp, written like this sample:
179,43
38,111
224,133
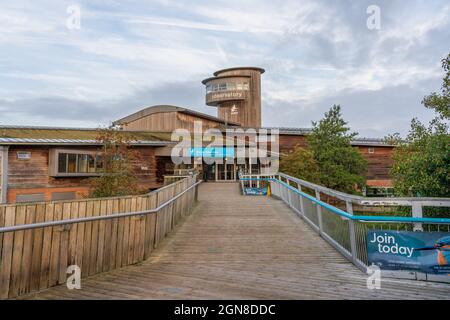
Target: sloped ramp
243,247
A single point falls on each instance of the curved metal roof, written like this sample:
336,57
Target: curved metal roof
168,108
239,68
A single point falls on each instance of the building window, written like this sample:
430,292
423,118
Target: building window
59,196
227,86
31,197
75,163
78,163
231,86
379,192
371,150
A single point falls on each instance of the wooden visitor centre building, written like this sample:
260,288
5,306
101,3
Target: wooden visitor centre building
53,163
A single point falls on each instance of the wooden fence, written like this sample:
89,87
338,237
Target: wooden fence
36,259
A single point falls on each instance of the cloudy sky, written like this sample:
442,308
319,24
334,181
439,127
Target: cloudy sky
130,54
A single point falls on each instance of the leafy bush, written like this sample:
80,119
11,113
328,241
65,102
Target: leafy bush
118,174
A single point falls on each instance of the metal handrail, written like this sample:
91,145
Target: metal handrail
351,216
437,202
341,229
94,218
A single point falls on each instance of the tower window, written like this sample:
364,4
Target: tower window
227,86
231,86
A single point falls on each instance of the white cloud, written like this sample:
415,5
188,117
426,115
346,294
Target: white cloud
313,51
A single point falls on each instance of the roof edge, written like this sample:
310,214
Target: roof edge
261,70
74,142
25,127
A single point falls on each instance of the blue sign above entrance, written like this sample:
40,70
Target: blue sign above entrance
212,152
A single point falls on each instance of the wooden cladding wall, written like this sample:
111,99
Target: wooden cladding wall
186,121
32,175
162,121
34,172
290,142
233,111
379,162
146,168
168,122
36,259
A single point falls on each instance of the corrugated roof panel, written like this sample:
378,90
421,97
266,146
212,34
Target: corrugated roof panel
72,141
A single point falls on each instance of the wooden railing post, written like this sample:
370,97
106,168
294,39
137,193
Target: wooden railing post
196,193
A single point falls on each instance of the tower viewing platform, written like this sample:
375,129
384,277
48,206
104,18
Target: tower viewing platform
236,92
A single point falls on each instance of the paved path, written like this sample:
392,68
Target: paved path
237,247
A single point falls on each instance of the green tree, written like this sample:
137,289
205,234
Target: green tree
118,172
422,161
441,102
300,163
421,165
341,166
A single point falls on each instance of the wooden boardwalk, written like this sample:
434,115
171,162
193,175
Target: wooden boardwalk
237,247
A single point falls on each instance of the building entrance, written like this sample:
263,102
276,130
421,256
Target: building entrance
226,172
209,172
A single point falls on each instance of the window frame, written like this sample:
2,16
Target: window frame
54,163
231,86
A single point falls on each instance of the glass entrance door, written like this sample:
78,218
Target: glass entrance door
230,171
209,172
221,171
226,172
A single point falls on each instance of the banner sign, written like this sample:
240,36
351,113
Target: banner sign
427,252
212,152
256,191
